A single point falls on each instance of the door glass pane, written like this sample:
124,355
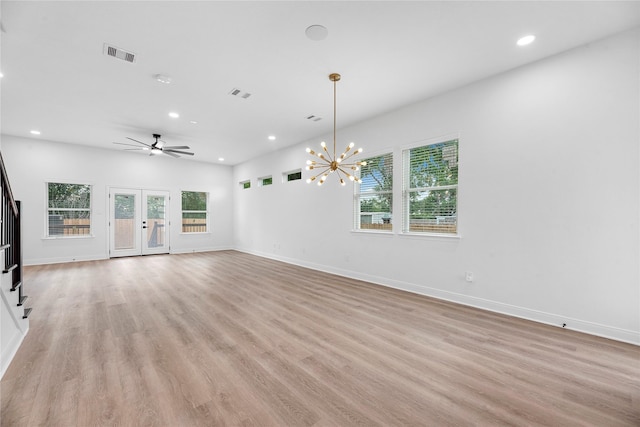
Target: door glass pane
124,216
155,221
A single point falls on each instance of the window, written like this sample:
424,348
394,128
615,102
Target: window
245,185
265,180
68,209
292,176
373,197
430,190
194,212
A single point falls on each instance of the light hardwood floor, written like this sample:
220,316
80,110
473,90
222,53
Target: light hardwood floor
226,338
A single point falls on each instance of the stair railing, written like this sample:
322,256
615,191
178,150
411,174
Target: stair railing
11,238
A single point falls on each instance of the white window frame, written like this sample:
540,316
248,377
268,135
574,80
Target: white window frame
48,211
243,184
357,220
206,212
285,176
262,179
406,190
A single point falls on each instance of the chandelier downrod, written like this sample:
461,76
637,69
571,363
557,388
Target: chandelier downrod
334,77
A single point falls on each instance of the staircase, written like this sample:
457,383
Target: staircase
14,314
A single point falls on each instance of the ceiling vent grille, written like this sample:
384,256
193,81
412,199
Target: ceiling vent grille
239,93
314,118
116,52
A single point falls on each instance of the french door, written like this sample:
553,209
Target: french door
138,222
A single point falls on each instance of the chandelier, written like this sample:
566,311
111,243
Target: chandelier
329,163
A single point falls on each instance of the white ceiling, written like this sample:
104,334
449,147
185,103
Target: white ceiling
390,54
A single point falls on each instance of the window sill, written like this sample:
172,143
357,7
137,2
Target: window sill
377,232
430,235
85,236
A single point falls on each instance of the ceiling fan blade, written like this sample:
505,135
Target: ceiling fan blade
140,142
178,151
169,153
176,147
124,143
134,149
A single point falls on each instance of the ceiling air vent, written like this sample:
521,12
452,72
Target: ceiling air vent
116,52
239,93
314,118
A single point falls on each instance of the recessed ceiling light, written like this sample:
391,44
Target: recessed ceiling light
174,115
272,138
35,132
162,78
193,122
316,32
221,159
523,41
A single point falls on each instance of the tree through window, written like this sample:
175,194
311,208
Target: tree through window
430,190
194,212
374,196
68,209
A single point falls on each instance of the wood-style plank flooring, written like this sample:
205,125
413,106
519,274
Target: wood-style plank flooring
226,338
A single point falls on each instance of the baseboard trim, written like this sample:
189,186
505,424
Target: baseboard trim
208,249
9,353
16,326
61,260
587,327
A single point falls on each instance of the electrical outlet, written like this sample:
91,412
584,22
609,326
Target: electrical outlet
468,276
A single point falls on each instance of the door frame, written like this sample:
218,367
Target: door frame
140,243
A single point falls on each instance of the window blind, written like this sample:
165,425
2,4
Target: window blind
374,195
430,188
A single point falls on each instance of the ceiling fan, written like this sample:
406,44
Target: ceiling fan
158,147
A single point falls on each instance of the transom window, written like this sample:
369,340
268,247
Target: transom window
374,195
265,180
68,209
430,188
292,175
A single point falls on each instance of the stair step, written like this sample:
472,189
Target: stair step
15,286
23,298
27,311
10,269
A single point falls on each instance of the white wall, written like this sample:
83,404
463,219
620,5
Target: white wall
548,199
31,162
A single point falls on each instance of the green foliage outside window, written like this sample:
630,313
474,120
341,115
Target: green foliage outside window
68,209
431,188
375,193
194,211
